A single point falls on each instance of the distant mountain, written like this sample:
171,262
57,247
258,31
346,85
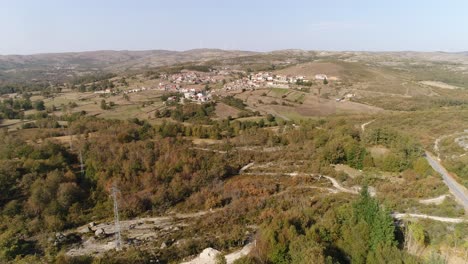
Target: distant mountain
60,65
109,59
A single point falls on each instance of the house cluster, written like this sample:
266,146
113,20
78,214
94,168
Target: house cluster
106,91
135,90
346,97
191,77
192,94
196,95
264,79
321,77
164,86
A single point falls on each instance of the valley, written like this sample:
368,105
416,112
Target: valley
234,156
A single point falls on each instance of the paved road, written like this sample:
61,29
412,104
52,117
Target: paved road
457,190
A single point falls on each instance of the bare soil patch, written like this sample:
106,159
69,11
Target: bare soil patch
353,173
378,151
441,85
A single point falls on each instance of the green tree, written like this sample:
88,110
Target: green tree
39,105
220,259
270,118
82,88
12,245
382,230
355,154
305,250
104,105
368,228
421,166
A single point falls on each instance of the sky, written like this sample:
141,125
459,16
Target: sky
44,26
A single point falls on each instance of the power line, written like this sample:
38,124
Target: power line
71,137
118,238
81,164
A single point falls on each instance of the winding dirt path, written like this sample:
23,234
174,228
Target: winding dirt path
363,126
437,200
439,139
230,258
424,216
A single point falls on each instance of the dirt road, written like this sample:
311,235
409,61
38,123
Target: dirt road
437,200
363,126
339,187
423,216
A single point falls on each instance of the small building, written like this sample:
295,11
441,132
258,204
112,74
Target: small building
321,77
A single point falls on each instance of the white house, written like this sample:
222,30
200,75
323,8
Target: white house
321,77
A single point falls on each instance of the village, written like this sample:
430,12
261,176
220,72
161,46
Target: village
270,80
193,85
197,86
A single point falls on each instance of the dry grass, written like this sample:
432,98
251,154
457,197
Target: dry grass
223,111
353,173
205,141
310,69
378,151
312,106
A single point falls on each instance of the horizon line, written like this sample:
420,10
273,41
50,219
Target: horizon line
230,50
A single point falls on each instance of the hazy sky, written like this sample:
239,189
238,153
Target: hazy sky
37,26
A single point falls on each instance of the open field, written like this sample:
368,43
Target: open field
224,111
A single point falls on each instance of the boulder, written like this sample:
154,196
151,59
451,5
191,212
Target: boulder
99,232
209,253
163,245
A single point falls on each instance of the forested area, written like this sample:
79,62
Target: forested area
16,87
158,169
357,232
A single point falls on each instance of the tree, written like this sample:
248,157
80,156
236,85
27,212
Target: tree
68,193
220,259
82,88
355,241
381,225
104,105
355,154
270,118
261,123
39,105
12,245
305,250
389,255
421,167
333,152
325,81
368,232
